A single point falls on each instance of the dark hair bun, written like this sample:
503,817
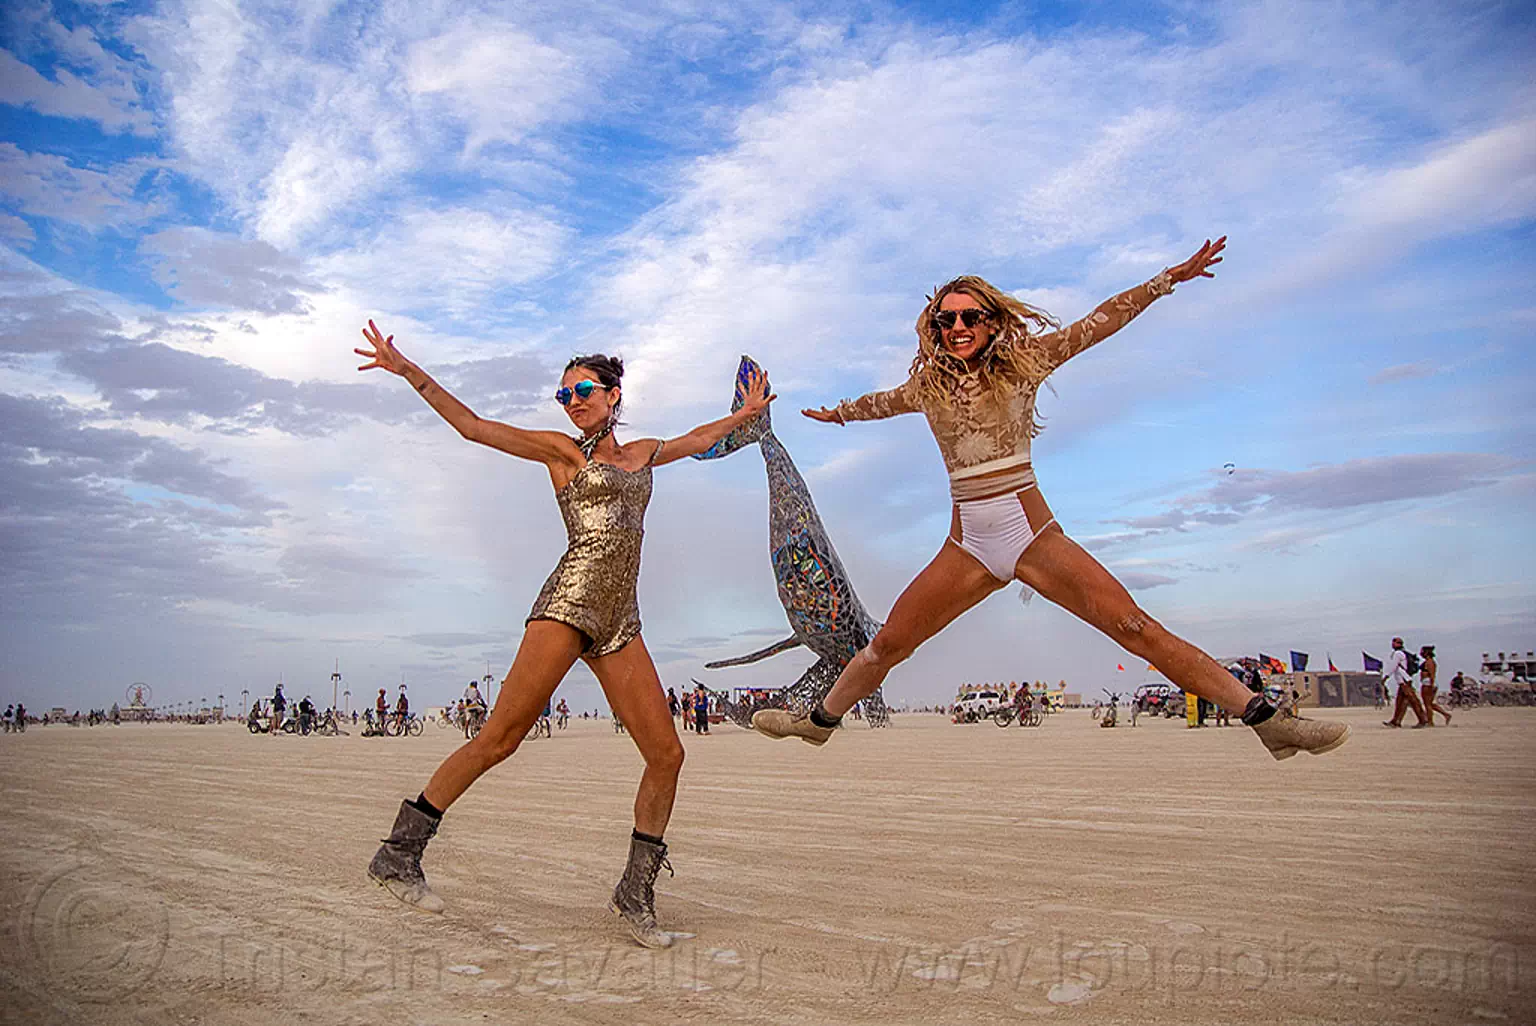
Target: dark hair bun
609,369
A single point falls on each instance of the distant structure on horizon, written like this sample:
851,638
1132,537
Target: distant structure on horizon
1510,665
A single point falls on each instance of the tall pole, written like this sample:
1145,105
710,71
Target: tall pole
490,699
243,693
335,682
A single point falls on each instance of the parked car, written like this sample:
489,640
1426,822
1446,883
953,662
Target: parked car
974,706
1158,698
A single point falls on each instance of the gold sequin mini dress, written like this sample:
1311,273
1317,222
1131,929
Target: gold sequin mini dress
593,587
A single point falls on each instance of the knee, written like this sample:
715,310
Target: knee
886,649
497,745
668,760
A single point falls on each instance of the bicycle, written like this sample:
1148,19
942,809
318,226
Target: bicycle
474,718
410,725
1010,714
1464,698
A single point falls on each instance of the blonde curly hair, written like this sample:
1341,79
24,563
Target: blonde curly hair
1012,356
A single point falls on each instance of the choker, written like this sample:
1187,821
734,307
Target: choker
588,443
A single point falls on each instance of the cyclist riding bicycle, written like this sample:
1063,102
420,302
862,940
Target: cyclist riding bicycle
473,698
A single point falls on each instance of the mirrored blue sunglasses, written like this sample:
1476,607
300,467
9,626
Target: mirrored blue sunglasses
582,390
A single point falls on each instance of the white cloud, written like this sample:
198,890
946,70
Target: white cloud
454,260
1485,180
499,81
1330,489
1402,372
298,124
203,268
68,96
48,185
86,80
12,227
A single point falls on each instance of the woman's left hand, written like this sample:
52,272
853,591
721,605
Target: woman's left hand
757,396
1197,266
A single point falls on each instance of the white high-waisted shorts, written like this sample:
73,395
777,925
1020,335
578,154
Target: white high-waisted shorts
996,532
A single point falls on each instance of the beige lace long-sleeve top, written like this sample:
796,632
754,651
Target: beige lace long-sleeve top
985,429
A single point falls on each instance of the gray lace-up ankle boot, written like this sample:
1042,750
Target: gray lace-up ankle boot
635,896
396,866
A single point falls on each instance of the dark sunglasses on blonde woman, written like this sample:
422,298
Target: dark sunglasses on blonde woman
970,317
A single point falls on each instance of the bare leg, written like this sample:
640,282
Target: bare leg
1063,572
952,583
1431,705
630,681
547,652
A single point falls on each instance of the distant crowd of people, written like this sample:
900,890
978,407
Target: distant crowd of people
693,708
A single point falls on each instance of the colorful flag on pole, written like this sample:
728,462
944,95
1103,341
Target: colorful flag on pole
1331,668
1298,661
1271,664
1372,664
1120,667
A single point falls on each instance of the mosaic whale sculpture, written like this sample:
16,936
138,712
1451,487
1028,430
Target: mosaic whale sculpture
825,615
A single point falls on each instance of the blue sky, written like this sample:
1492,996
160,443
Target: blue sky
201,203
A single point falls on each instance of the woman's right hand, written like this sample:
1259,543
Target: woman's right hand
383,354
825,415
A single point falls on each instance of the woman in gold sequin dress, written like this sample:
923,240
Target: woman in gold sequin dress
982,356
586,610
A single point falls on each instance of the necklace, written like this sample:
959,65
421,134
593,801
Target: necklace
589,442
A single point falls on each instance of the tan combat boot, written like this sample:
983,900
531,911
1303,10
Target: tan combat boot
781,723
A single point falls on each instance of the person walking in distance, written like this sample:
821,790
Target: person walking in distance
1428,689
1400,670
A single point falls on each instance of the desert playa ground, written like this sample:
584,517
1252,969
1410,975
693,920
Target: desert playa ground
928,873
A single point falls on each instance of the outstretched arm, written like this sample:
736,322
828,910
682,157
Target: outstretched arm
541,446
874,406
755,400
1118,311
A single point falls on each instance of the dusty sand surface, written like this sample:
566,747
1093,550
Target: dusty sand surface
928,873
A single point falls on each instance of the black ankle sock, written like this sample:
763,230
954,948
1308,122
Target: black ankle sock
647,838
1258,711
822,718
421,804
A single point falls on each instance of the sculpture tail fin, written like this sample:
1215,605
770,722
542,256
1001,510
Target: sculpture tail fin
762,653
753,431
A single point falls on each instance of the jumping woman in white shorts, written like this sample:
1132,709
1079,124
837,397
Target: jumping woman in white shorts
982,356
